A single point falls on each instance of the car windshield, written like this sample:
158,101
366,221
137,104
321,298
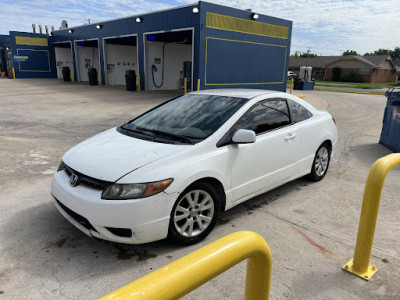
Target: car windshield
189,119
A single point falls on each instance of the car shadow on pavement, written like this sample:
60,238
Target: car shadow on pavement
259,202
40,239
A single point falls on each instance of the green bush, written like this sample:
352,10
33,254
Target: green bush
336,73
352,77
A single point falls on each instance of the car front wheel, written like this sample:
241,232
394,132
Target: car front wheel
194,214
321,162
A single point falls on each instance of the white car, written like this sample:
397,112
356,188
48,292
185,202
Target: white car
172,170
291,74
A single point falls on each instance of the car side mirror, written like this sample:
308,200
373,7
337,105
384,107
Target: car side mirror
244,136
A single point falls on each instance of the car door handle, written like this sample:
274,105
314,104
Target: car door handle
290,136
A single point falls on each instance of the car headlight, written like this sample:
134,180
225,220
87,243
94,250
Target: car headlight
118,191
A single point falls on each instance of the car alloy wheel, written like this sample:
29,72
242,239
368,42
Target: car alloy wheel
194,214
321,162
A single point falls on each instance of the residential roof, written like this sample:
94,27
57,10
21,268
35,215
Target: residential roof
376,60
396,62
322,61
315,62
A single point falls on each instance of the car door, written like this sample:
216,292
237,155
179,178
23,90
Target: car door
307,132
267,162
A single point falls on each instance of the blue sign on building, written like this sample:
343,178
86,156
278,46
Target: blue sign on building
20,58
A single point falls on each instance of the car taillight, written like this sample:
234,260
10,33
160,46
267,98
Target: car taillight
333,119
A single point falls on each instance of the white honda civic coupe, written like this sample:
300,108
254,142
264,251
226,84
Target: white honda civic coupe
172,170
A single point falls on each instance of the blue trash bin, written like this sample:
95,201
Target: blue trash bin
390,135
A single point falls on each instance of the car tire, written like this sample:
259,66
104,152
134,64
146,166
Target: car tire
321,162
194,214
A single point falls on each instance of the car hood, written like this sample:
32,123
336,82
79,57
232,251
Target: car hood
111,155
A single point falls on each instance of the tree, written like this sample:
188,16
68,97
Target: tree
298,54
350,52
393,53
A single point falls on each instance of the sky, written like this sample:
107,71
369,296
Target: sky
325,27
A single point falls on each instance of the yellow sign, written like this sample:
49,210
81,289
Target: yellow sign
30,41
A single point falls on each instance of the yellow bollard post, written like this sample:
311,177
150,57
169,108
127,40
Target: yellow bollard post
13,73
198,84
180,277
359,265
138,79
99,78
185,85
72,75
291,85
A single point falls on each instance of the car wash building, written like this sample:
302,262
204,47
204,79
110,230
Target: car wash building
205,45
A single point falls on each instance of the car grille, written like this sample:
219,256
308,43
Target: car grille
81,220
86,180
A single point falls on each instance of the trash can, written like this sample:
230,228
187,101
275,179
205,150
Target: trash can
297,83
92,73
390,135
66,73
300,84
130,79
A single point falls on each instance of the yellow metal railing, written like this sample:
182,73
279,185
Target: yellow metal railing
185,80
359,265
191,271
291,85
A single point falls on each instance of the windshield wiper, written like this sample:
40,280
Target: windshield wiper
138,130
172,135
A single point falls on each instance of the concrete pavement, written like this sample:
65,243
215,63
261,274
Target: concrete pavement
310,227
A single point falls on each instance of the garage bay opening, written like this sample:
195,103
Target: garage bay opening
64,61
169,57
121,60
87,61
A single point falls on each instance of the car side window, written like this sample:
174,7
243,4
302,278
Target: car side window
299,112
265,116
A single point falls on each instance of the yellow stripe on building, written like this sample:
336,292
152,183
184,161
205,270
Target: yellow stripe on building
30,41
229,23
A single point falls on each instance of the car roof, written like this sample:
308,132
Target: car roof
239,93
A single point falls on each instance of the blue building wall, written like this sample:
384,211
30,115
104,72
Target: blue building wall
31,58
182,17
223,57
230,58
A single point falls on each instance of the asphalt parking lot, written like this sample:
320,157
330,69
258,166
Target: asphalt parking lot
310,227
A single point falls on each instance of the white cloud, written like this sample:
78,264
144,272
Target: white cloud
325,26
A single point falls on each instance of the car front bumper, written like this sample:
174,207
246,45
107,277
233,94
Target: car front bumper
134,221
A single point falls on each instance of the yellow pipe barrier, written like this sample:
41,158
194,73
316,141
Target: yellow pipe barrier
359,265
198,84
291,85
138,78
185,85
13,70
72,75
191,271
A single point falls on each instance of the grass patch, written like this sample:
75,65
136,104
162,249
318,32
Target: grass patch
362,85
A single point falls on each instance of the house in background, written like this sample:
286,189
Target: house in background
371,68
318,64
